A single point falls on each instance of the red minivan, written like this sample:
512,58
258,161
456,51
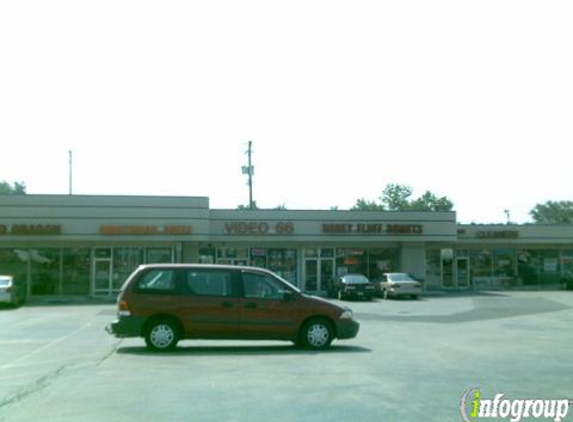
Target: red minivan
165,303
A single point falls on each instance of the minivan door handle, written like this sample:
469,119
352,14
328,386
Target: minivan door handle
227,304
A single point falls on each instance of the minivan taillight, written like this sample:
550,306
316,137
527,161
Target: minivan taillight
123,308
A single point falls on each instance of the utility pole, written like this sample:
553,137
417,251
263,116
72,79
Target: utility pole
70,170
249,170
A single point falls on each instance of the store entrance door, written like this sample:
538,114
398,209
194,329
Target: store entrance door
462,272
102,272
318,269
448,268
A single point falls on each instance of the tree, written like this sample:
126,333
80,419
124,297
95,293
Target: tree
18,188
430,202
396,197
553,212
364,205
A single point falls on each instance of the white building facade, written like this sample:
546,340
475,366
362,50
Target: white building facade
85,246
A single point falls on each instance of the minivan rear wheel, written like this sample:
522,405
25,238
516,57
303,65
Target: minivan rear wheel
161,335
316,334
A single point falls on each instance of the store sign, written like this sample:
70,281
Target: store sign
31,230
371,228
144,230
498,234
259,228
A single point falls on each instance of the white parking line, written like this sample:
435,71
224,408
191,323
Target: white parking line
45,347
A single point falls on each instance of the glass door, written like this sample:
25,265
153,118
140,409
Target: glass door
102,272
463,272
318,269
326,273
311,275
102,278
447,268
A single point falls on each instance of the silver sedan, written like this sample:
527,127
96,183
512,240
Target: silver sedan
400,284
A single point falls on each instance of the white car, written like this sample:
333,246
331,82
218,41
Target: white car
400,284
10,292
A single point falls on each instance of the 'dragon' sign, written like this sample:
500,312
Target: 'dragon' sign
31,230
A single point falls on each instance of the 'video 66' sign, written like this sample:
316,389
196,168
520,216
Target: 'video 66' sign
259,228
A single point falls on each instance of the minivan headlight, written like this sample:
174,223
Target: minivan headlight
347,314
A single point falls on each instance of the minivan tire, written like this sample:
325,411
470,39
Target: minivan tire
316,334
161,335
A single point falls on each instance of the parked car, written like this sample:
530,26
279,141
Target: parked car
352,286
11,292
164,303
399,285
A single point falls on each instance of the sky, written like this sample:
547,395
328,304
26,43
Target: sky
472,100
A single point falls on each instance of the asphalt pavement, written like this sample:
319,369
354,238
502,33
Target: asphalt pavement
412,361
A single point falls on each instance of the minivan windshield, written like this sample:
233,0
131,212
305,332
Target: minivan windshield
296,289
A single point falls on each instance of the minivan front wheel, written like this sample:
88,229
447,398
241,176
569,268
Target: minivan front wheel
161,335
316,334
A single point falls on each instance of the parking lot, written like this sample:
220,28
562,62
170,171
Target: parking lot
412,361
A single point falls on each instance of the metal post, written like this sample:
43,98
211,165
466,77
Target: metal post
70,171
249,152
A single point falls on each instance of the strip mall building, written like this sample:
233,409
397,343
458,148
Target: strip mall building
85,246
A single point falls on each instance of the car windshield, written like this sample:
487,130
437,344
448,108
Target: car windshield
4,281
400,277
355,279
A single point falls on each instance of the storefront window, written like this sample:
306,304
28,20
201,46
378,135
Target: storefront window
539,267
281,261
45,271
233,256
481,262
258,257
159,255
207,255
504,262
284,263
76,271
372,263
433,268
125,260
567,263
311,252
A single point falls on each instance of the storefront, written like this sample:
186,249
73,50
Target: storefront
311,248
85,246
524,256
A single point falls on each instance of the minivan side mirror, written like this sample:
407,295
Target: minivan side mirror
288,295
